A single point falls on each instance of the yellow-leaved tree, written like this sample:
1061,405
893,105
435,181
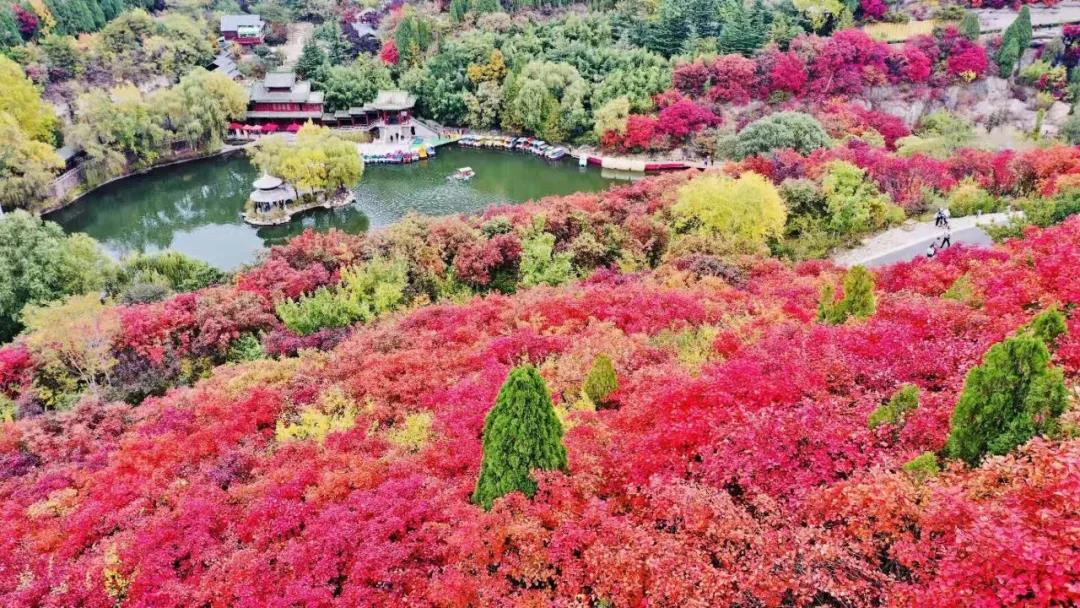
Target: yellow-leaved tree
315,160
742,212
20,98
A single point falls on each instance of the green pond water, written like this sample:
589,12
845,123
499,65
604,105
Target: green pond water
195,207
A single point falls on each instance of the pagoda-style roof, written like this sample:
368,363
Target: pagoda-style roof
279,80
275,195
225,64
267,182
388,101
299,91
230,23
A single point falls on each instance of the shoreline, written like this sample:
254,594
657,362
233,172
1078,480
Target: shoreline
224,151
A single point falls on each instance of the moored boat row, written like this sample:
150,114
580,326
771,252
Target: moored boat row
532,145
400,157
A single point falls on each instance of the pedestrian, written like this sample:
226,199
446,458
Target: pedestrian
947,216
931,251
939,217
946,239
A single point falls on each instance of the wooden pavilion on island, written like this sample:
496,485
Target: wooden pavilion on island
271,193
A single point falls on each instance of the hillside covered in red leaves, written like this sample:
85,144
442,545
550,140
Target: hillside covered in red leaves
734,466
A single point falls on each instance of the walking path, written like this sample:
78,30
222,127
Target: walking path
911,240
299,32
995,20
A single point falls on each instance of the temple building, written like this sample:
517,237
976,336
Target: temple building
246,30
224,63
389,118
281,98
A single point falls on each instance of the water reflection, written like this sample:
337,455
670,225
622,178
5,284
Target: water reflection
195,208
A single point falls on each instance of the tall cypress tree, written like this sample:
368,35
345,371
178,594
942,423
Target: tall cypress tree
521,434
969,26
1023,28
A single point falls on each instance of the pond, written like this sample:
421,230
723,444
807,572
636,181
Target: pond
195,207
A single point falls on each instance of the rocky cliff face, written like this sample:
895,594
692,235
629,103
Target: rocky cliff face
992,103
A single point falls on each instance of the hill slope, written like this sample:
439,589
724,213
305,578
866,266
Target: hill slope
734,466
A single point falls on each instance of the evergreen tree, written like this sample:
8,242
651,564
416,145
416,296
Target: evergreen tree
703,17
9,30
481,7
1013,396
1047,326
458,10
521,433
858,300
969,26
670,30
312,58
1009,53
744,29
601,380
1023,28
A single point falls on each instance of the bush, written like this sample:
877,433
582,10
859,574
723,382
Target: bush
968,198
803,197
413,433
858,300
922,467
783,130
1070,130
366,291
522,433
245,348
744,211
541,265
969,26
903,401
601,380
854,203
1047,326
1011,397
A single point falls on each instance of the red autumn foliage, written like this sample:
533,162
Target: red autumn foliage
749,476
683,118
389,53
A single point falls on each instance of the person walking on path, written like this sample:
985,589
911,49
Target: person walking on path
946,238
948,216
939,217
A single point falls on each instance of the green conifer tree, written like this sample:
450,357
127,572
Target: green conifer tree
522,433
1009,53
1047,326
670,30
458,10
969,26
1023,28
601,380
311,60
9,31
1013,396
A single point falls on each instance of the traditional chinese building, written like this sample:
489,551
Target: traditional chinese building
242,29
389,118
281,98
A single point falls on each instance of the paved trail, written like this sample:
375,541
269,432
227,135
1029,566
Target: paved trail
911,240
